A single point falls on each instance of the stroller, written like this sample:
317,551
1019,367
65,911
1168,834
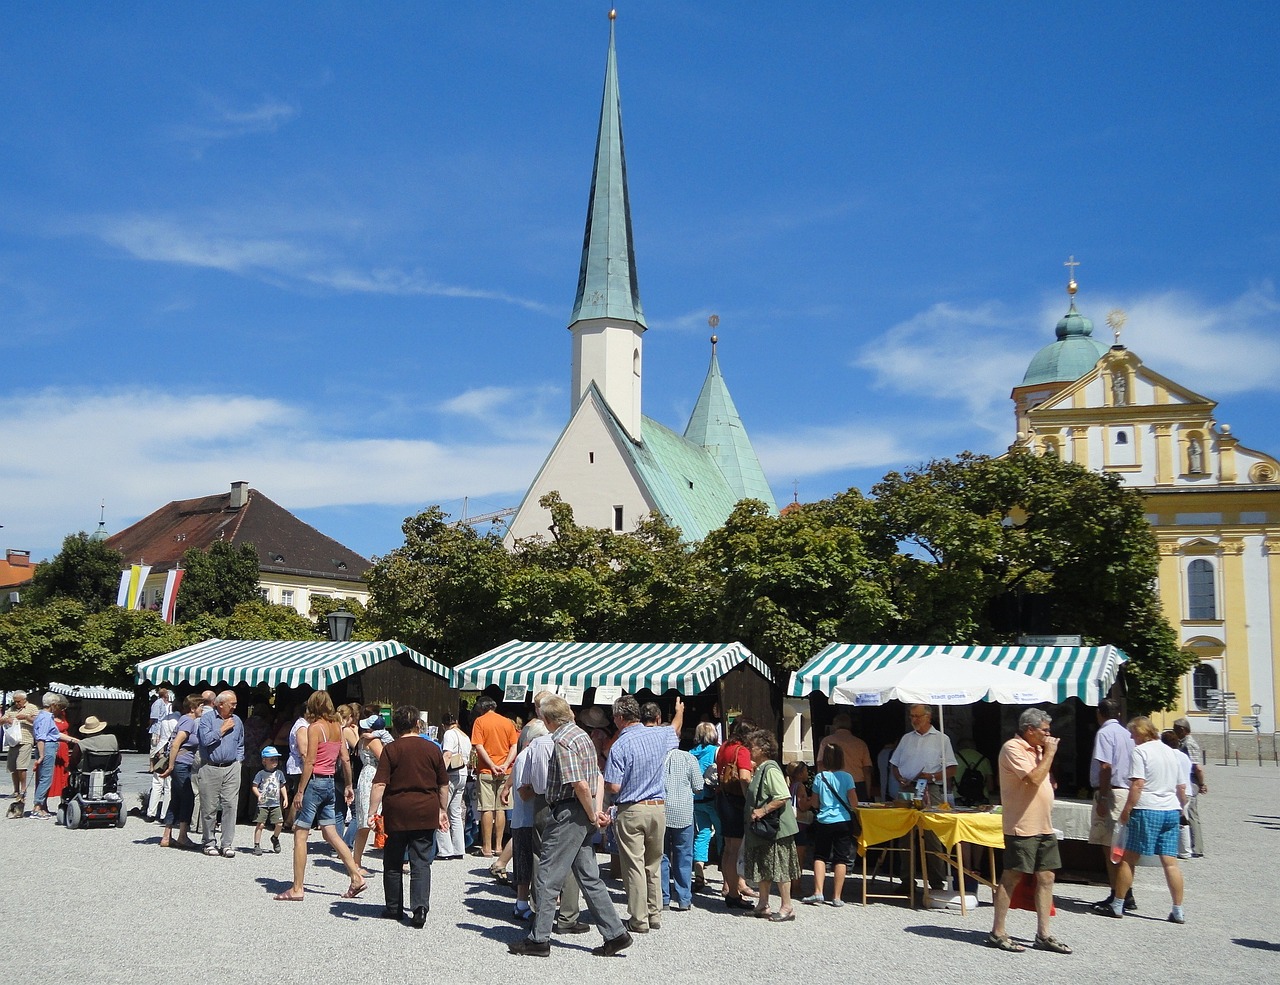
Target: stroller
92,795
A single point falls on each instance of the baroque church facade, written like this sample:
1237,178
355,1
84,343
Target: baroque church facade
611,463
1213,503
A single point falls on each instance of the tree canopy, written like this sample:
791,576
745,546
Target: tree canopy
217,580
85,570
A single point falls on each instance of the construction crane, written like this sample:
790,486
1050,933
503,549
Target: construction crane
493,517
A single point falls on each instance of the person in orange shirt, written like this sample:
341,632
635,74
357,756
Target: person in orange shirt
1030,846
857,757
493,738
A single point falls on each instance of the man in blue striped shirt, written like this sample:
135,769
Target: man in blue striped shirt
635,773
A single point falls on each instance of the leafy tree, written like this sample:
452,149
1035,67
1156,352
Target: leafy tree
439,593
790,584
86,570
217,580
997,547
321,606
252,620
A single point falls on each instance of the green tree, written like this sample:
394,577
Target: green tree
252,620
322,605
86,570
217,580
995,547
439,592
788,585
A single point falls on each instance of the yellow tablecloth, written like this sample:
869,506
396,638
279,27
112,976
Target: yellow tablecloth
951,827
881,824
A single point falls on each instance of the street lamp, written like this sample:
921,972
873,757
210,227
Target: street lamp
340,625
1257,728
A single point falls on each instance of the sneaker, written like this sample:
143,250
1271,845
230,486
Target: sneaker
836,903
813,900
1176,917
532,949
275,844
570,928
257,849
1130,904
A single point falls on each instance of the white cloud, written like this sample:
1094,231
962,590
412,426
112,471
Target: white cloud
522,411
974,356
227,123
826,450
220,244
65,451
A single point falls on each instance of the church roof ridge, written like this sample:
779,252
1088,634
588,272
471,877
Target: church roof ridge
607,284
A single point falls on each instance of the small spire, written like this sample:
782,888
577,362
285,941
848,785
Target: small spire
613,15
1072,286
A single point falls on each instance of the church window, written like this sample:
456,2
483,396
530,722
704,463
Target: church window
617,518
591,458
1204,680
1201,598
1122,437
635,362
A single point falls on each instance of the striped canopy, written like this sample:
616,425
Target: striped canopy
274,662
1084,672
95,691
689,668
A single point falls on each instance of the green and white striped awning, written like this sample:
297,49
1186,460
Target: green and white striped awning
689,668
274,662
1084,672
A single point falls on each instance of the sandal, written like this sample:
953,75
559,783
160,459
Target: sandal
782,916
1004,944
762,914
353,891
288,897
1050,944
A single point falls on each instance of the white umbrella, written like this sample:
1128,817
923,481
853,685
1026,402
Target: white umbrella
943,679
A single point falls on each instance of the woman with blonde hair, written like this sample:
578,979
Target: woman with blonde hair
323,754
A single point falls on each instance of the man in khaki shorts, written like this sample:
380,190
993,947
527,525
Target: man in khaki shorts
1109,776
1030,845
24,713
493,738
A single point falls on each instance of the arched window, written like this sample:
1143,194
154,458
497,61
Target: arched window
1122,437
1201,598
635,362
1203,680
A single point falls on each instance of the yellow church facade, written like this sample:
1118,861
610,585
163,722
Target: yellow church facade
1213,502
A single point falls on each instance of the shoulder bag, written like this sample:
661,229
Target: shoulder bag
766,827
855,821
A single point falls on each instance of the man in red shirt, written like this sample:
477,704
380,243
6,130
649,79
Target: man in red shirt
493,737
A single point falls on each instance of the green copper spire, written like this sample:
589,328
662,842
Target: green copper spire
717,427
607,286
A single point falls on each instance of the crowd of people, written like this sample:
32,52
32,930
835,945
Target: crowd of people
549,794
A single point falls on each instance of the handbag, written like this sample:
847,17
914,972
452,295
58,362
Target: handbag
855,820
767,826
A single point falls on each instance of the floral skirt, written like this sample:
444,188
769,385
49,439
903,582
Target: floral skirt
775,860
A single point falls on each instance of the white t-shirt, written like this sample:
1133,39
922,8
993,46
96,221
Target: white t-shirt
455,740
1162,773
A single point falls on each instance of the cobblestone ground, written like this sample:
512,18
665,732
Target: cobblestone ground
111,906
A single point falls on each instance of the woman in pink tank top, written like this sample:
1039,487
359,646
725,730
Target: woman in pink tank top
315,803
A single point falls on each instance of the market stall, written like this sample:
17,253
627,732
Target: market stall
596,673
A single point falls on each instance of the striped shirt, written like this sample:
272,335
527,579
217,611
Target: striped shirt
637,762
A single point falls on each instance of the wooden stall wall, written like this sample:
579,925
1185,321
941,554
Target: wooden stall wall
744,690
400,681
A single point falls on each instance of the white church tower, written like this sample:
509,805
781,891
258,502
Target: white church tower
608,320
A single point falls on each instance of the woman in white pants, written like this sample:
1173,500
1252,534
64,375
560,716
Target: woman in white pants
452,843
162,731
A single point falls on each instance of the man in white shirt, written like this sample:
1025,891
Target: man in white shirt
162,705
1109,777
1188,744
924,753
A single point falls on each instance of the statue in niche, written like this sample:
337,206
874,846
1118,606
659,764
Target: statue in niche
1050,449
1119,389
1195,457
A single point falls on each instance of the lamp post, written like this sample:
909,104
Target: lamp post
340,625
1257,729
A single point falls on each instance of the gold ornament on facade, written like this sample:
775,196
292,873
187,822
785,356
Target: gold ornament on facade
1116,319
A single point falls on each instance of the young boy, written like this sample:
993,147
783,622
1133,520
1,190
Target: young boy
273,798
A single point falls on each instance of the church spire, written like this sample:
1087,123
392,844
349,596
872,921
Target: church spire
607,285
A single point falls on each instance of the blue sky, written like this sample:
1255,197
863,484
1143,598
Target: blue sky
331,249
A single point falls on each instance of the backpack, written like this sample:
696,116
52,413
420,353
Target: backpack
972,788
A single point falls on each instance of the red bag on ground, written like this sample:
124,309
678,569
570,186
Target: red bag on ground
1024,895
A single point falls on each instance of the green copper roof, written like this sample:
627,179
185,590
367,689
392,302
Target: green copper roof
1074,354
716,427
607,285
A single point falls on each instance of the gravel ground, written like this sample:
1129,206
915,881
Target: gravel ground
104,905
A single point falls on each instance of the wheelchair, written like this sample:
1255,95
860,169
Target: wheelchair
92,796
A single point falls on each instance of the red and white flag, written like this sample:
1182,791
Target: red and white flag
171,583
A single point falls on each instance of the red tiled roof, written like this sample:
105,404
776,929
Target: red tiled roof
285,544
16,568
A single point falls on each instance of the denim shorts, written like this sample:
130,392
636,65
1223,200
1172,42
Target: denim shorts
319,806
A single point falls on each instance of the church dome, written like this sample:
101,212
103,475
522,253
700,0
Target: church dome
1074,354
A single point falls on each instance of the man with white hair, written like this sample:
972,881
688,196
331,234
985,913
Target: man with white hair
220,735
23,712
